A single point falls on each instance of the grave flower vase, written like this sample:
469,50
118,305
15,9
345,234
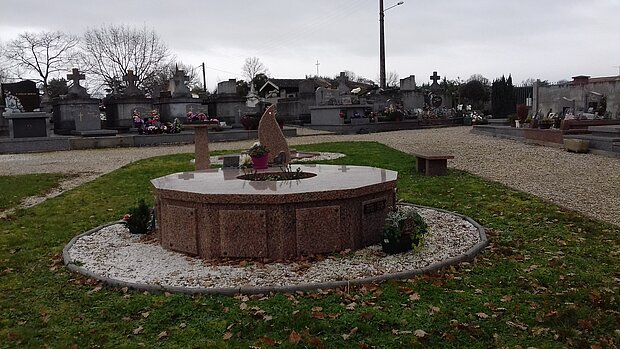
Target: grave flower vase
260,162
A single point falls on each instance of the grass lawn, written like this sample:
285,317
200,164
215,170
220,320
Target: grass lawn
550,278
13,189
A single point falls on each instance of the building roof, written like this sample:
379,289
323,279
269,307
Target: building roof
581,79
282,83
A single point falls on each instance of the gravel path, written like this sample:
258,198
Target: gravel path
586,183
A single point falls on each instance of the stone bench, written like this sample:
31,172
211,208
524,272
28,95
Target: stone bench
432,164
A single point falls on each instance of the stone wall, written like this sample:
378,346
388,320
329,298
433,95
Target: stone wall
557,97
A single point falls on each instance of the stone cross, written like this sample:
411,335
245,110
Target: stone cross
177,85
180,78
435,77
131,79
76,89
76,77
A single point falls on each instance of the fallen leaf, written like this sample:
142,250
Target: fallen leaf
316,309
267,317
182,325
96,289
145,314
294,337
162,334
227,336
315,341
434,310
448,337
138,330
366,316
243,306
420,333
399,332
318,315
268,341
482,315
414,297
351,306
506,298
518,325
584,324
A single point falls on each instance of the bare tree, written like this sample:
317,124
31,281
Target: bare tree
43,53
479,77
162,77
253,67
111,51
392,79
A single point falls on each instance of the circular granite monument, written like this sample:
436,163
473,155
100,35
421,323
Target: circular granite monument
214,214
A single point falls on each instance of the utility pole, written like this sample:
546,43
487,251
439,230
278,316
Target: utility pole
381,47
317,68
204,78
382,83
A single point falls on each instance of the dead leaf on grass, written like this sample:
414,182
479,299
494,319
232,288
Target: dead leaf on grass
506,298
294,337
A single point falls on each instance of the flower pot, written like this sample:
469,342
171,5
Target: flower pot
260,162
404,244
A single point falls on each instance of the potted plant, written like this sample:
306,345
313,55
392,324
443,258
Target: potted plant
403,229
259,155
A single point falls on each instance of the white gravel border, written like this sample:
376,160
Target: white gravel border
110,254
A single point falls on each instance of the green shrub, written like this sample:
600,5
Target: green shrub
139,218
404,223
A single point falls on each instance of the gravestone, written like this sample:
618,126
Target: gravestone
27,125
175,103
132,89
435,86
77,113
120,107
326,96
21,99
177,85
228,106
26,92
342,84
270,135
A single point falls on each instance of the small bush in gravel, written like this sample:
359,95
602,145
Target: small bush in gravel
403,229
139,218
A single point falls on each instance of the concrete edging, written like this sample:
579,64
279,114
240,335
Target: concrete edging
469,255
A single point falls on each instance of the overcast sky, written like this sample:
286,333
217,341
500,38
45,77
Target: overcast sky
545,39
